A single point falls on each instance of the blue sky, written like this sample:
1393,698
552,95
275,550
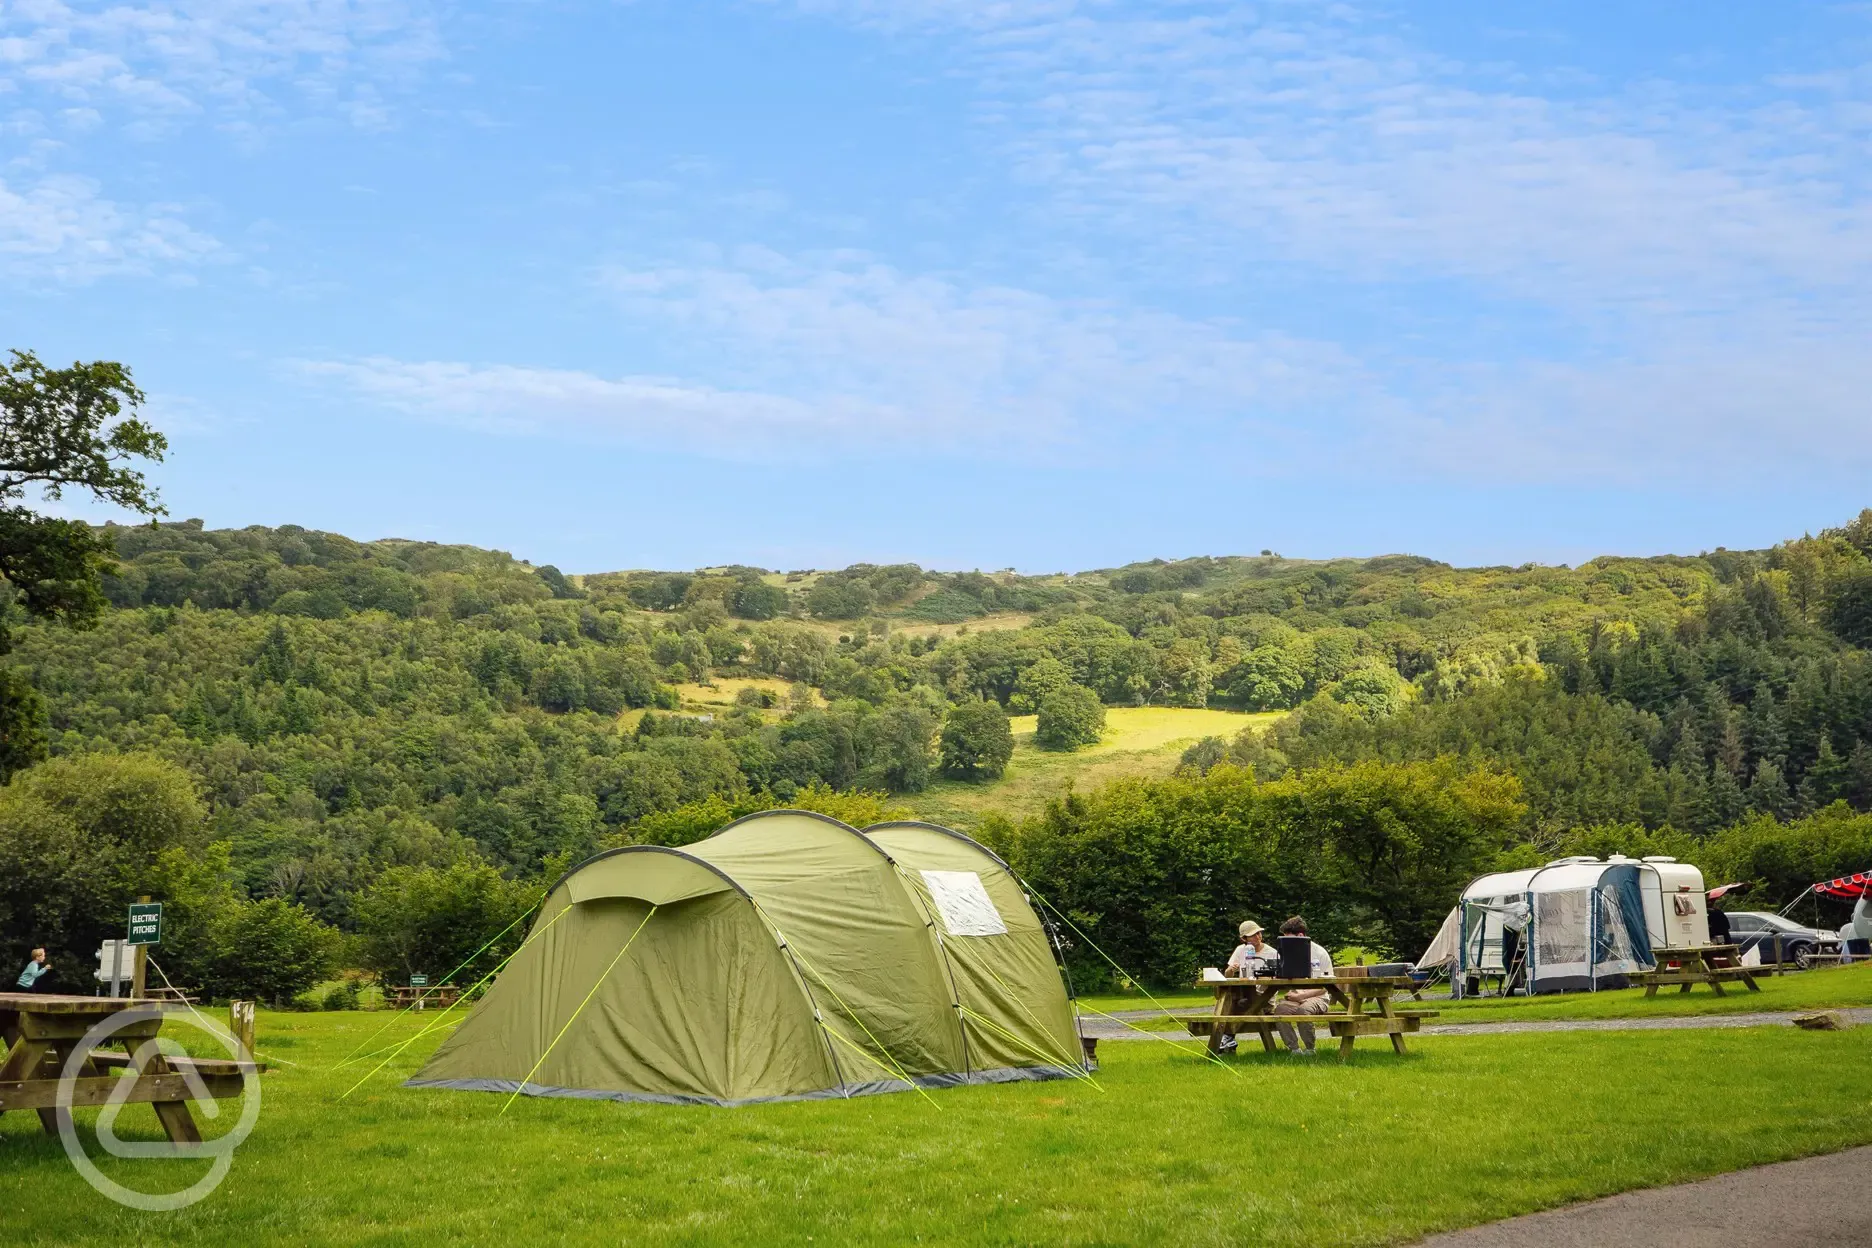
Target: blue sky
1050,284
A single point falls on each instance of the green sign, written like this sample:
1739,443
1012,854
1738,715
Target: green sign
419,981
146,923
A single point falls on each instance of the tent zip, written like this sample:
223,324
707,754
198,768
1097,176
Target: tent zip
942,947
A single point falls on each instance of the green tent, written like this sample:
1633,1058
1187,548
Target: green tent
787,956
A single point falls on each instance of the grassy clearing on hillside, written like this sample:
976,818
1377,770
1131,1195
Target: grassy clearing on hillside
980,624
1383,1149
1847,987
1138,741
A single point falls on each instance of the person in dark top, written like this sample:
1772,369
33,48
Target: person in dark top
1719,927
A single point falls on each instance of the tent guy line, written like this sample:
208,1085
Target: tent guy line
581,1009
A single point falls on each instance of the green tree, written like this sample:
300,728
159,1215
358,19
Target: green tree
1203,756
837,597
23,724
429,921
219,942
1402,840
755,599
1038,679
61,429
976,741
1069,718
1269,678
894,746
79,841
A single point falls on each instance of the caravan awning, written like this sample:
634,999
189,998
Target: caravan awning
1848,886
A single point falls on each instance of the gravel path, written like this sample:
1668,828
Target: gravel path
1793,1204
1107,1029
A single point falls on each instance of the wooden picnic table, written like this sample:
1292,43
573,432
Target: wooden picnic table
436,994
40,1034
1248,1005
1714,965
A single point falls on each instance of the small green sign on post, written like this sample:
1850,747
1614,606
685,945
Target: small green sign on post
419,981
146,923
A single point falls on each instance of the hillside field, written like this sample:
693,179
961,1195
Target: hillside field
1138,741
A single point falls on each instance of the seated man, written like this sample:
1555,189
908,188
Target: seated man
1300,1002
1254,956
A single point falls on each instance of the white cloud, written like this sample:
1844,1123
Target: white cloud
237,62
844,353
505,398
830,355
971,359
61,228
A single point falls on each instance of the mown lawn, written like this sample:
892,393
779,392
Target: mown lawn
1169,1148
1138,741
1840,987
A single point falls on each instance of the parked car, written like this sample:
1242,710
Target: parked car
1779,940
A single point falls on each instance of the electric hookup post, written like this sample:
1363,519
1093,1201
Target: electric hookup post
145,930
114,960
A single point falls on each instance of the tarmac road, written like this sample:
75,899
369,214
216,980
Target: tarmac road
1793,1204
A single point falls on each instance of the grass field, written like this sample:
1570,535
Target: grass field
1840,987
1138,741
1463,1130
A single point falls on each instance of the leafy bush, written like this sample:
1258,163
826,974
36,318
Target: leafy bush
342,995
1069,718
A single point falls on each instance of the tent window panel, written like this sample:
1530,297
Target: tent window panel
1562,923
964,904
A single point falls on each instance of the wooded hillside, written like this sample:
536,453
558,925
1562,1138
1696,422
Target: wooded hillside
344,708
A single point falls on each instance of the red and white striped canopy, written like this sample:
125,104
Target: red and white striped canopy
1846,885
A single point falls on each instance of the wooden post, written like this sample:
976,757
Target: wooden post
141,966
241,1023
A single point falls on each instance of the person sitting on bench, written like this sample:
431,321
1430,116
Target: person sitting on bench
1254,956
1303,1002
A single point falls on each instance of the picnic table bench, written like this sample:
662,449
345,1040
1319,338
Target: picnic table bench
439,994
1714,965
42,1034
1244,1005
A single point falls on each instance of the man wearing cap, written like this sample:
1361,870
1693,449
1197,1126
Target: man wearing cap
1252,956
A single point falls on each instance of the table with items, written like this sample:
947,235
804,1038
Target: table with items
1364,1009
